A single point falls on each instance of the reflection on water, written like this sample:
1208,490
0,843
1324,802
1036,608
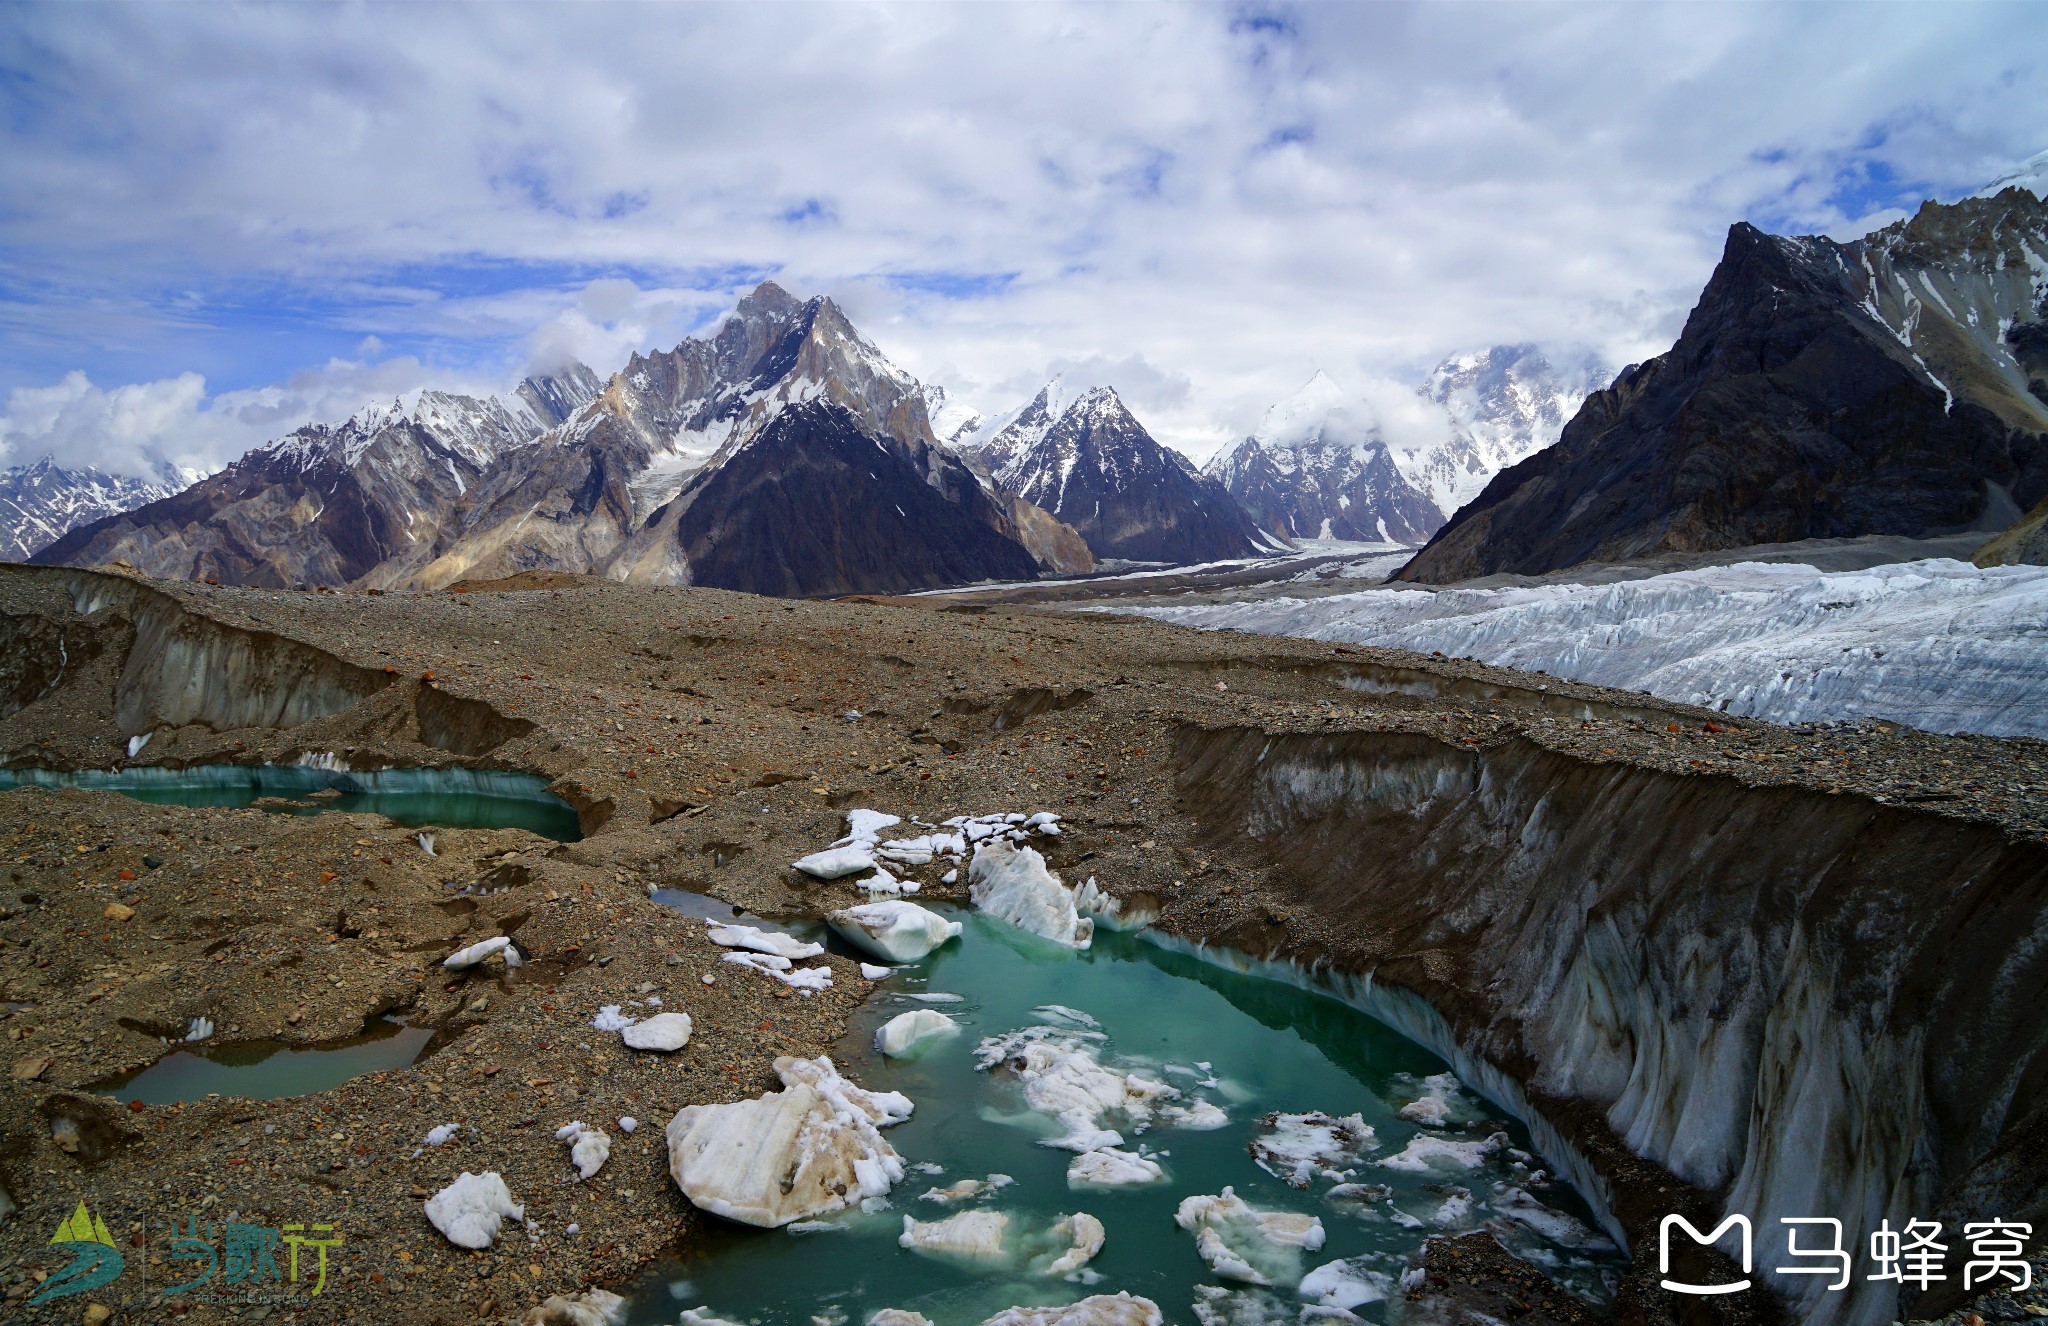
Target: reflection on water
266,1070
441,798
1246,1045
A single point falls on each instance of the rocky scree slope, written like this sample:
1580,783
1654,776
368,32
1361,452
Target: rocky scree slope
331,505
1089,462
1892,385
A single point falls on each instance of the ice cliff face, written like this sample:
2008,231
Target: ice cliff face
1085,459
1318,468
1800,1004
1897,384
1939,645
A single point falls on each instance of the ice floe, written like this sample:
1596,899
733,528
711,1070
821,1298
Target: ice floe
1107,1167
1119,1309
812,1148
470,1211
1432,1153
1347,1284
1437,1105
1242,1243
892,929
869,971
965,1189
1298,1148
1084,1235
970,1236
1062,1079
663,1031
1012,885
588,1147
912,1032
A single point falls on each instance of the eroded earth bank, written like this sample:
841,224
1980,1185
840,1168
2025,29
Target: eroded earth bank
1715,964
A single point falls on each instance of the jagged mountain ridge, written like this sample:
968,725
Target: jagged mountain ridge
579,475
1087,460
1318,468
42,501
1896,384
329,504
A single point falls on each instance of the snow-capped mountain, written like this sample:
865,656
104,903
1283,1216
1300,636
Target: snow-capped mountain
1896,384
329,504
41,502
1083,457
1318,468
952,421
783,453
1505,404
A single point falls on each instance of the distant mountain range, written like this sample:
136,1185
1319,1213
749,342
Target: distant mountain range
1896,384
40,501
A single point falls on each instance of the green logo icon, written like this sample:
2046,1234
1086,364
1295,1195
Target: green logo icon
95,1261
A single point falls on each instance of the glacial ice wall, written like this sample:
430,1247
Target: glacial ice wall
1801,1004
1938,644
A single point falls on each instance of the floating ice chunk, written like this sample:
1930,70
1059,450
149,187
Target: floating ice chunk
756,940
893,930
1083,1234
610,1018
898,1317
869,971
1456,1209
477,952
934,997
1099,1310
834,862
811,1148
956,1192
1241,1243
440,1135
973,1236
1302,1147
1013,885
627,1123
589,1147
1433,1109
1428,1152
701,1317
1059,1015
1062,1079
592,1307
1346,1284
663,1031
913,1032
470,1211
1110,1168
1198,1116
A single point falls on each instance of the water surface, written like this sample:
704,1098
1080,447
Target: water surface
267,1070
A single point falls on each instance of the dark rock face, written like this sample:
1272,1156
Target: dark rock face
818,506
1819,390
1092,464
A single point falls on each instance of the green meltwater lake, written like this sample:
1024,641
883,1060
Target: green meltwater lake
1292,1100
420,798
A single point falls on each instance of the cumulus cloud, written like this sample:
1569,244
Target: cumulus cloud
1215,200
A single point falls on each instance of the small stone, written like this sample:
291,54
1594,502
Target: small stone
31,1068
118,911
97,1313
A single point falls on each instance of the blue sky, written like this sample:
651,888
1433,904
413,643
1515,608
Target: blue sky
303,208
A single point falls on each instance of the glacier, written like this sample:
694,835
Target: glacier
1937,644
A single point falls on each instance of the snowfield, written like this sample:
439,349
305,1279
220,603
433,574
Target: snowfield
1938,644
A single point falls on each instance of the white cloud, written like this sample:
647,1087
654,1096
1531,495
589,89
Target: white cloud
1212,202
